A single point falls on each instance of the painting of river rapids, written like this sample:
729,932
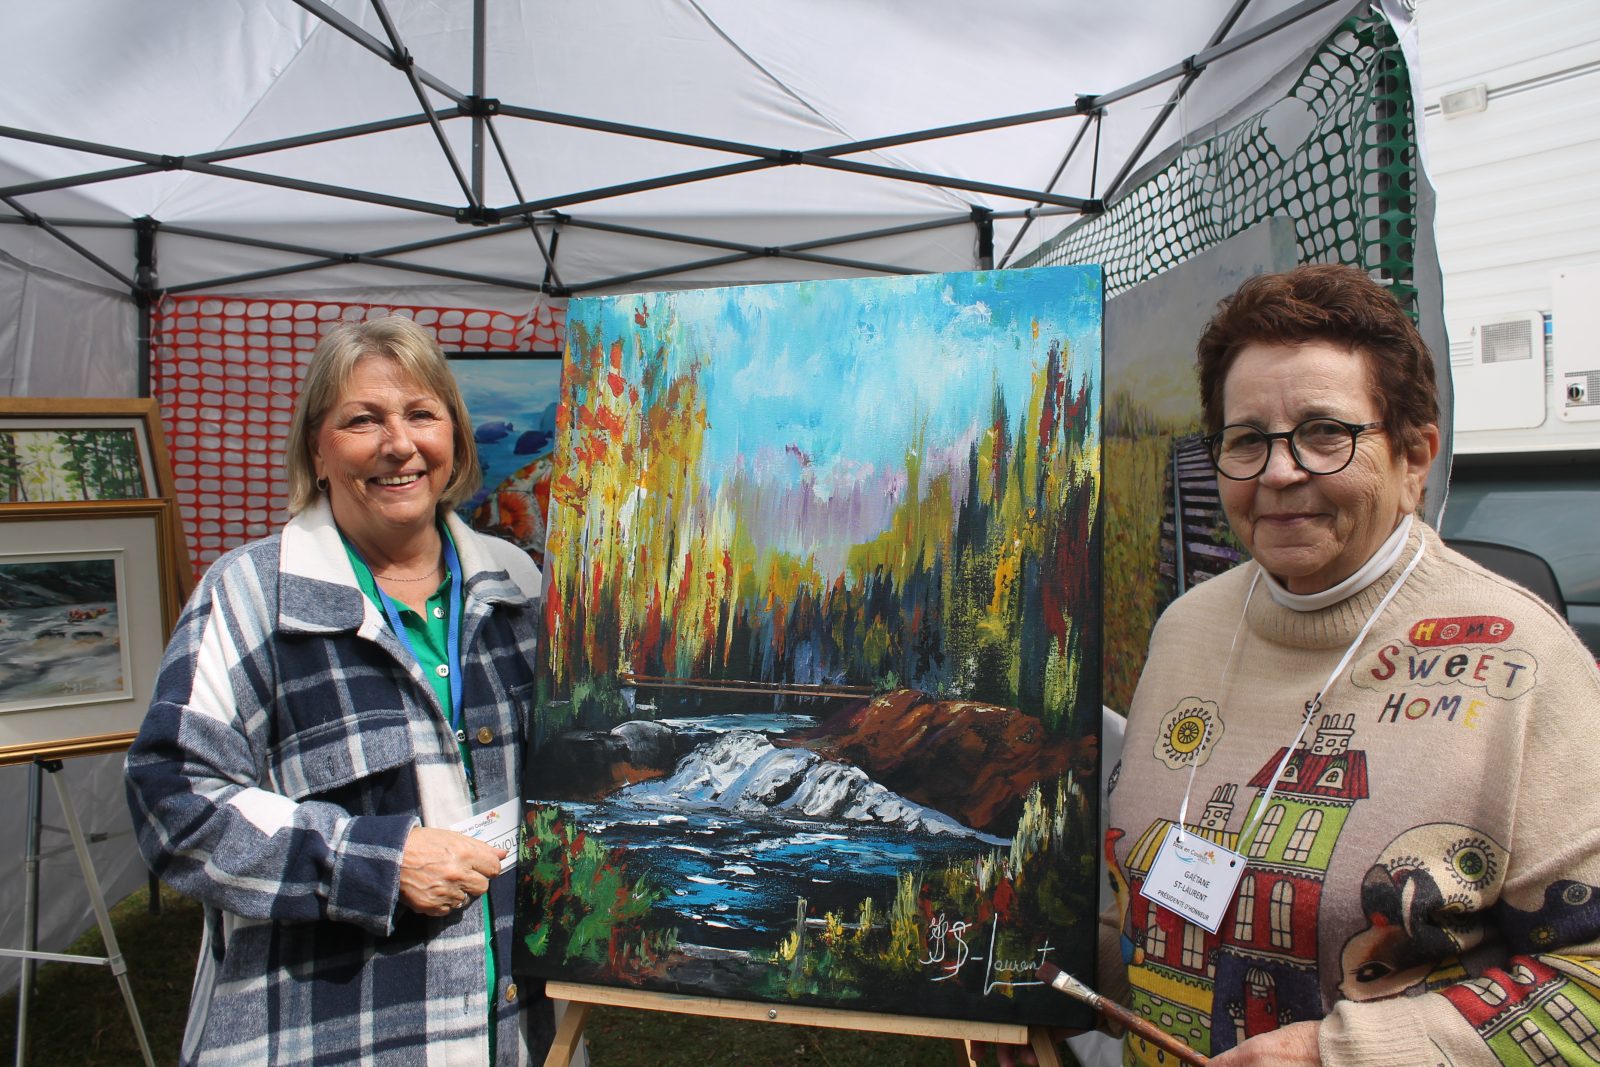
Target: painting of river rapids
819,690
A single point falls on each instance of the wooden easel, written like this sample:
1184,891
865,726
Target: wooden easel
581,998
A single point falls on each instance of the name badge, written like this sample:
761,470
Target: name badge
496,826
1194,878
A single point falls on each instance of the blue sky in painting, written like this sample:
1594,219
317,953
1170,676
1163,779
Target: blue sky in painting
835,375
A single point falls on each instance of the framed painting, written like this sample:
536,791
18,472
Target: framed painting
818,701
511,397
89,451
56,449
85,610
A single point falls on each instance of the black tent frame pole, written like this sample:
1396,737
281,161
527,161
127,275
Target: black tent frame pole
1184,85
407,66
1060,169
480,54
481,110
748,250
143,293
157,163
552,278
378,48
49,227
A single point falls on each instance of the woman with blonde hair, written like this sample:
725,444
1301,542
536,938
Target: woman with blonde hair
338,700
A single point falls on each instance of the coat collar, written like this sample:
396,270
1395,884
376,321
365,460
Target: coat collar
317,588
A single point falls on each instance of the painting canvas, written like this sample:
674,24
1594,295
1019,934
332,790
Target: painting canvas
86,603
818,698
512,402
61,631
1156,465
73,463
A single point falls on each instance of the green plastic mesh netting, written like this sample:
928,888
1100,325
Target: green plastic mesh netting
1349,184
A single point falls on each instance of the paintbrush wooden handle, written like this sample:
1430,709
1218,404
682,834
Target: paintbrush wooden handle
1149,1031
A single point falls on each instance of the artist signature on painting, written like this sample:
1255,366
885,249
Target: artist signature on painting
941,933
947,946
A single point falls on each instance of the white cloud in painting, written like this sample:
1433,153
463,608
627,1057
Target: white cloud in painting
782,377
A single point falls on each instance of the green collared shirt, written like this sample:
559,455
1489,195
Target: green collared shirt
429,636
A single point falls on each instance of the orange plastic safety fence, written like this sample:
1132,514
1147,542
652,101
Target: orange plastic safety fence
226,371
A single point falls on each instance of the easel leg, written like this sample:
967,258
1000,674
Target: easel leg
1045,1048
1039,1039
568,1033
30,908
119,966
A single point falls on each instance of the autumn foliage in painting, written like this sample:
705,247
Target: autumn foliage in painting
970,592
750,516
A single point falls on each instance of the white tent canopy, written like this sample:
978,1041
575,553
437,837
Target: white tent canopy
500,153
680,142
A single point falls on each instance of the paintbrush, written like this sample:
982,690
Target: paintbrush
1055,976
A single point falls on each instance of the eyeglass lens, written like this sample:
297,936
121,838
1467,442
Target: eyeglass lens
1321,446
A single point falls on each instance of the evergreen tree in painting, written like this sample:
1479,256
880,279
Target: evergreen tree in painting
883,522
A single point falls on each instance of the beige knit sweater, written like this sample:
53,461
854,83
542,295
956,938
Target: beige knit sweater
1426,878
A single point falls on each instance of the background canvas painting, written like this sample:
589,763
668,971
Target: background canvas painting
513,407
60,633
820,691
1156,465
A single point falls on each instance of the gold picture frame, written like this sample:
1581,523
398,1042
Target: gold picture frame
89,451
86,604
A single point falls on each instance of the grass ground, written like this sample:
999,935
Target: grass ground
77,1018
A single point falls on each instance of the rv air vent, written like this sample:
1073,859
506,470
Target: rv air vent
1506,341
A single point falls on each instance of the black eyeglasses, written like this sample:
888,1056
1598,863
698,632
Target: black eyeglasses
1318,446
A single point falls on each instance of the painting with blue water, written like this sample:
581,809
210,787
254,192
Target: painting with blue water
512,402
818,693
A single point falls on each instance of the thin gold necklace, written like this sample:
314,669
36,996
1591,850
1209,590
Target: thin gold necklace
419,578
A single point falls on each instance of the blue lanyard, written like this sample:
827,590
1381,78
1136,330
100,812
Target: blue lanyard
452,630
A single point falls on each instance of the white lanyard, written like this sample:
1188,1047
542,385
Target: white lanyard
1312,706
1197,880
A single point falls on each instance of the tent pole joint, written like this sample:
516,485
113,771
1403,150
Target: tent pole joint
144,275
1087,104
983,219
482,106
478,215
789,157
172,162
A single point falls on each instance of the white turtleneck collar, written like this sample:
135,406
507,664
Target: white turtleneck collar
1369,572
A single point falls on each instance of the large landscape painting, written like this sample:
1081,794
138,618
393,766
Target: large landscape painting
819,692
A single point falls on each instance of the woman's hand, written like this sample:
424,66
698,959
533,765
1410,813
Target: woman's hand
443,871
1293,1046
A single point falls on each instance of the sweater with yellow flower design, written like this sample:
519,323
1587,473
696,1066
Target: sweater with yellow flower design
1425,877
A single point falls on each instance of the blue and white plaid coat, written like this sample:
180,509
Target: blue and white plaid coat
291,746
